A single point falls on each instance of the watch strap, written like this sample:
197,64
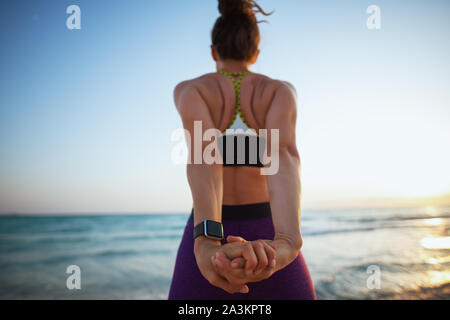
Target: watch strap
202,229
199,229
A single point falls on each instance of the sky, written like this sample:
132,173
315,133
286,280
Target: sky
86,116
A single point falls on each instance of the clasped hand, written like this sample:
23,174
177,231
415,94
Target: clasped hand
232,265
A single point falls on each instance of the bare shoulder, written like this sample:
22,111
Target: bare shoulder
282,112
285,88
183,87
275,87
290,87
189,87
282,108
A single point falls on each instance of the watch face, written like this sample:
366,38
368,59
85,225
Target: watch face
214,229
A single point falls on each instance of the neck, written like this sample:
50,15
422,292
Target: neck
232,66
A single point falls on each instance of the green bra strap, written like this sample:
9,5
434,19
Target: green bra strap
237,89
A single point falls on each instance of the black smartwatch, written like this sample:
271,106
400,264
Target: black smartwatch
210,229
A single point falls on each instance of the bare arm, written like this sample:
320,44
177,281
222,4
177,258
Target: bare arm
285,185
205,180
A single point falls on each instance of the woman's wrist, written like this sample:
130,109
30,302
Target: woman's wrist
286,251
201,242
295,242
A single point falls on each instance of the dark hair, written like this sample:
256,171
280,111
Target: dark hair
236,33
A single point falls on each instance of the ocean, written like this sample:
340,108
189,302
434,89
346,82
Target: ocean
399,253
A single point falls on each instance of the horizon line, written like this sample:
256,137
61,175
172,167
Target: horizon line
93,214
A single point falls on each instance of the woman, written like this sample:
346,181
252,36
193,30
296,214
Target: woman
260,213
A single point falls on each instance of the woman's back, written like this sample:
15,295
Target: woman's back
253,194
241,185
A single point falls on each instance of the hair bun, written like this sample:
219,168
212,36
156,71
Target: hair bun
236,7
236,34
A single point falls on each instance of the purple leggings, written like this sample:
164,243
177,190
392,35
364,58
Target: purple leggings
291,283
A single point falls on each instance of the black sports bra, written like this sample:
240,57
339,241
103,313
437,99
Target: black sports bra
238,144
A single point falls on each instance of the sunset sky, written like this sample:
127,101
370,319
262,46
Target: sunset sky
86,116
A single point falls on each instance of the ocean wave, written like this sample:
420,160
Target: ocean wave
398,281
82,256
62,238
313,233
327,291
363,227
392,218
